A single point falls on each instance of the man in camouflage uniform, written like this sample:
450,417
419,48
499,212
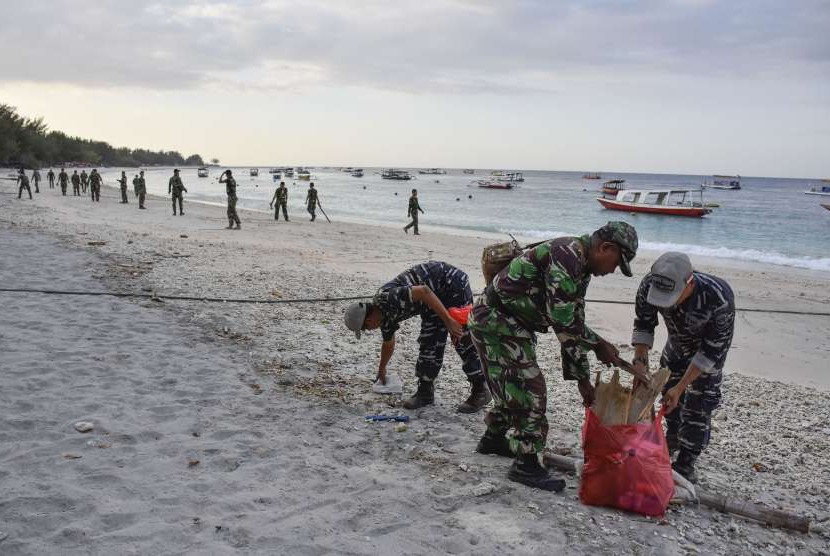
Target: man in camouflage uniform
230,189
699,312
543,288
51,177
281,199
140,189
412,212
36,180
23,180
95,180
427,290
84,181
76,184
311,201
63,180
176,187
123,183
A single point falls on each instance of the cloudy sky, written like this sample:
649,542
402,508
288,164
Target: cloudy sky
677,86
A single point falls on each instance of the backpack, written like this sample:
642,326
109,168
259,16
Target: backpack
497,256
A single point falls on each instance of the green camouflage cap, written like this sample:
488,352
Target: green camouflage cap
624,235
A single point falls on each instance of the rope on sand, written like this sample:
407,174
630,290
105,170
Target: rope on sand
160,297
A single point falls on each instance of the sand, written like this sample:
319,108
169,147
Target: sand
220,427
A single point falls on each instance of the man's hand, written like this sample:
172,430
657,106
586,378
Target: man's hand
672,397
381,376
586,390
455,329
606,352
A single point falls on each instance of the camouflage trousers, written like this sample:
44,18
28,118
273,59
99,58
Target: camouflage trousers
413,223
690,423
281,205
178,196
508,352
22,187
76,189
233,218
95,193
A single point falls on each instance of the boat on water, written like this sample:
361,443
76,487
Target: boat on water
274,171
591,176
825,205
277,176
469,171
254,172
723,182
288,172
433,171
819,190
511,177
347,170
202,172
357,173
393,174
494,184
303,174
673,202
612,187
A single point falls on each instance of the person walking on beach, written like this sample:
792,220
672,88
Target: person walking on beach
84,181
140,189
76,184
51,177
177,188
426,290
230,189
123,183
63,180
412,212
542,288
95,180
280,200
23,180
311,201
36,180
699,312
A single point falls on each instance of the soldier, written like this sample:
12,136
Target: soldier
699,312
36,180
63,180
51,176
230,188
76,184
84,181
23,180
427,290
543,288
281,199
412,212
123,183
311,201
176,187
140,189
95,185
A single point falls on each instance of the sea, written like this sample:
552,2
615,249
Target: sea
769,220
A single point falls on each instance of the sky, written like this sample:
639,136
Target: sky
674,86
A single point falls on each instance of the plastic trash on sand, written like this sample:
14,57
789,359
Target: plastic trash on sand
393,385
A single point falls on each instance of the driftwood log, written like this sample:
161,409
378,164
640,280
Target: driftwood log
769,516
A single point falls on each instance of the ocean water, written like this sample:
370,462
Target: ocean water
770,220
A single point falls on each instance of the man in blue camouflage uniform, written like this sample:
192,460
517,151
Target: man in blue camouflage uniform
543,288
427,290
699,312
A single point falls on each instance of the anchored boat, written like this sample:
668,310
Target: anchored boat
591,176
254,172
723,182
469,171
673,202
202,172
612,187
303,174
433,171
357,173
392,174
819,189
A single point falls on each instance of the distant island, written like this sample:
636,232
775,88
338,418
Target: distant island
27,142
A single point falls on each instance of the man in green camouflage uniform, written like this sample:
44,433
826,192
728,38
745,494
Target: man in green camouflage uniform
176,187
123,183
543,288
140,189
412,212
311,201
23,180
281,199
51,177
36,180
76,184
95,180
84,181
63,180
230,189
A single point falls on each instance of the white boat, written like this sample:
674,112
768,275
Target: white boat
254,172
357,173
274,171
303,174
288,172
469,171
723,182
393,174
433,171
673,202
819,190
202,172
494,184
512,177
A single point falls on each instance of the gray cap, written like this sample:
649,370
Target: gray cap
355,316
669,275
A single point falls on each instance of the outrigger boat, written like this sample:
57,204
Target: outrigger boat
675,202
392,174
357,173
511,177
723,182
254,172
612,187
494,184
433,172
288,172
303,174
592,176
202,172
819,189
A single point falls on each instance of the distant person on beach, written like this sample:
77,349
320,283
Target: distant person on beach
426,290
36,180
84,181
412,212
123,183
280,200
51,177
76,184
95,180
311,201
699,312
544,288
135,185
63,180
23,180
230,188
177,188
141,189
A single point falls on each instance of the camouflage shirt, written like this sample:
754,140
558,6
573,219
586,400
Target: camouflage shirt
281,195
63,177
700,329
140,185
230,187
23,179
76,179
175,185
95,179
414,207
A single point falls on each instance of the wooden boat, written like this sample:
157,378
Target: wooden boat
469,171
357,173
254,172
303,174
818,190
392,174
288,172
723,182
591,176
274,171
673,202
494,184
433,171
612,187
202,172
511,177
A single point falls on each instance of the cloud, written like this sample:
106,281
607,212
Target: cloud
444,46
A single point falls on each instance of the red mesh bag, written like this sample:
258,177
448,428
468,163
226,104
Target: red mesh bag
626,466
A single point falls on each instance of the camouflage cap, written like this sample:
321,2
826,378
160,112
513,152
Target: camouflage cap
624,235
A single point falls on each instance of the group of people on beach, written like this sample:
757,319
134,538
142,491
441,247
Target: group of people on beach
543,289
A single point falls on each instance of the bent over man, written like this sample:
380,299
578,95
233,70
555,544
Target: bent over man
699,312
426,290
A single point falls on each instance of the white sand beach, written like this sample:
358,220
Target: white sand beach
224,427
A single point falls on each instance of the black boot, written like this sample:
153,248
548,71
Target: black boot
492,444
425,395
479,397
527,470
673,443
685,465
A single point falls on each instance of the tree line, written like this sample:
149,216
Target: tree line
28,142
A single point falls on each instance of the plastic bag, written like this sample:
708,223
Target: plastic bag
460,314
626,466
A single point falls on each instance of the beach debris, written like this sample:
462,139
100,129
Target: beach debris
193,462
463,467
618,405
395,418
401,427
760,467
97,443
394,385
257,389
96,243
183,236
84,426
69,455
483,489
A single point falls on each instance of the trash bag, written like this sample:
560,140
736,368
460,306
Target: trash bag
626,466
460,314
